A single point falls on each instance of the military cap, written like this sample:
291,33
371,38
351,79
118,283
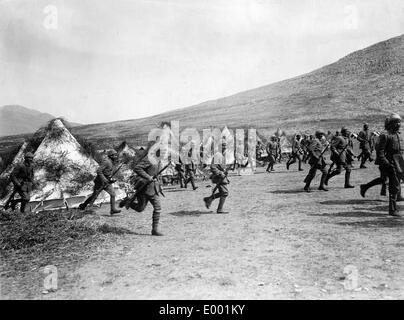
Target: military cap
394,118
29,155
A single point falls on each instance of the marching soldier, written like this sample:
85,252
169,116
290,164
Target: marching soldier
317,161
272,150
297,153
365,144
383,173
342,156
181,173
22,178
104,181
305,146
190,171
390,152
219,177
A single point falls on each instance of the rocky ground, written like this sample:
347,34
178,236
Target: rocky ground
278,242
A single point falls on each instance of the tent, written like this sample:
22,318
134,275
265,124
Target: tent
285,144
63,172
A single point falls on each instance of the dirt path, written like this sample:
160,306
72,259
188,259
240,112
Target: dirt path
277,243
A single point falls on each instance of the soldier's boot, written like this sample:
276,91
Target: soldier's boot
383,191
208,202
366,186
322,187
362,166
193,184
23,205
307,186
347,178
399,196
220,206
89,201
300,166
288,164
155,224
393,206
114,210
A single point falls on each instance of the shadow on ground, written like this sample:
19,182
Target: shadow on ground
195,213
351,201
386,222
350,214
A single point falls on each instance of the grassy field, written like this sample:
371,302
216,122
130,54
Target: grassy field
278,242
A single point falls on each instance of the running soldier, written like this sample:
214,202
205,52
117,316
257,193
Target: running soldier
104,182
317,161
22,178
272,150
297,153
218,177
366,145
342,156
390,152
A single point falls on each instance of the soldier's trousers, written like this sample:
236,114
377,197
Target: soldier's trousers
295,157
143,200
381,180
222,193
96,192
24,199
190,177
312,173
365,155
271,162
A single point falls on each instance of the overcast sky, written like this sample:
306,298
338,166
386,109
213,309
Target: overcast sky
104,60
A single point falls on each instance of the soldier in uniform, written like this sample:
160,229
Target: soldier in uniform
148,190
342,156
104,181
297,153
316,161
181,173
390,152
190,169
218,177
305,146
365,144
272,150
22,178
382,179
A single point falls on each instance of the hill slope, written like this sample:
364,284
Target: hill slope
15,119
362,86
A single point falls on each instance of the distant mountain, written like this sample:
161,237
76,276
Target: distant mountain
15,119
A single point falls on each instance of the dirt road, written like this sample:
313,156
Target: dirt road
278,242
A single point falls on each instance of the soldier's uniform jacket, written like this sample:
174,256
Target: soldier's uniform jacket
219,174
23,175
105,171
390,151
145,170
365,140
272,148
316,148
341,149
296,147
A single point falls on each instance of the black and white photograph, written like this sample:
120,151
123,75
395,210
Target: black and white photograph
201,150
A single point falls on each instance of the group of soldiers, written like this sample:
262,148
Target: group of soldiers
147,188
389,147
